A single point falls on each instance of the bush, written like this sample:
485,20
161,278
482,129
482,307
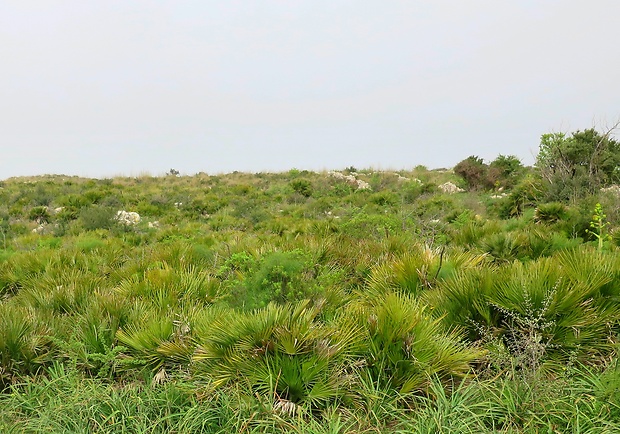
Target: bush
364,225
504,171
525,194
40,214
302,186
97,217
277,277
384,198
474,172
548,213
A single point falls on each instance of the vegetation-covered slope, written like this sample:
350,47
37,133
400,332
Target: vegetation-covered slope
310,302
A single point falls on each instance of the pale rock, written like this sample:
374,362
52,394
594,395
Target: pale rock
613,189
361,185
39,229
450,188
128,218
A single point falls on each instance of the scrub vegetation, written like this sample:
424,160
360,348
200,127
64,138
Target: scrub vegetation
310,302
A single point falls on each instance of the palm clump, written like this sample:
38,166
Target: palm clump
549,312
282,351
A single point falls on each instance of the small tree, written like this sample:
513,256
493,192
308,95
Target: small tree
474,172
504,170
577,164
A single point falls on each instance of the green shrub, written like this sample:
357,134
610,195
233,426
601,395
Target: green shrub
525,194
24,344
384,198
302,186
405,346
504,171
40,214
74,201
42,196
276,277
547,213
364,225
505,247
97,217
474,172
279,351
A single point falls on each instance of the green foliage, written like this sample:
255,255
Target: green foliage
280,351
384,198
251,307
40,214
577,164
97,217
474,171
302,186
504,171
24,344
599,225
278,278
364,225
525,194
544,312
548,213
406,346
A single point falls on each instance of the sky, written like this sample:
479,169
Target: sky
132,87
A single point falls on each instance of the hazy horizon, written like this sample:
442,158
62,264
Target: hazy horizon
121,88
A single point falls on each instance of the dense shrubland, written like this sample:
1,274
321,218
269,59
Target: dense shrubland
308,302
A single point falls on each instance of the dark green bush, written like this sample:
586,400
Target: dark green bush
278,278
384,198
40,214
525,194
302,186
474,172
547,213
97,217
504,171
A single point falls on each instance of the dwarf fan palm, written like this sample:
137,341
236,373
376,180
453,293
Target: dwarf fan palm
405,345
541,301
24,342
552,309
283,351
420,269
155,341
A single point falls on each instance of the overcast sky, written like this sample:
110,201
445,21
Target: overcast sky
105,87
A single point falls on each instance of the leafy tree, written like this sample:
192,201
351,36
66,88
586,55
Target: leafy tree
504,170
473,171
580,163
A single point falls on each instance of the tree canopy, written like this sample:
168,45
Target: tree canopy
578,163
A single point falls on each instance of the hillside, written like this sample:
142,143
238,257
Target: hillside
466,300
